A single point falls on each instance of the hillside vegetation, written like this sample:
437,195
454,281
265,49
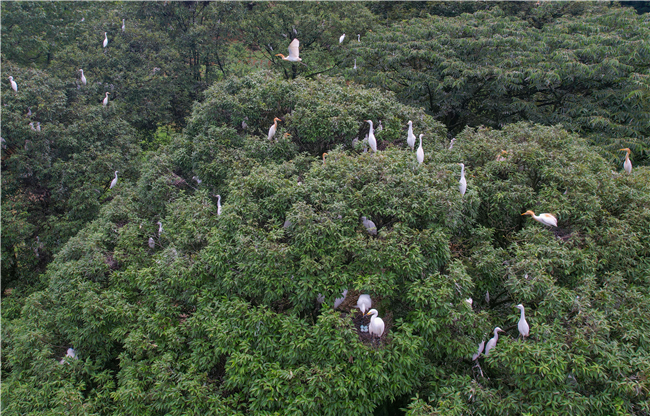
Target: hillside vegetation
205,280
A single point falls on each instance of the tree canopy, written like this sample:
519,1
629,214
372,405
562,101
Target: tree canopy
205,280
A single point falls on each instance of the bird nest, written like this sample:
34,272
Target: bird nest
358,319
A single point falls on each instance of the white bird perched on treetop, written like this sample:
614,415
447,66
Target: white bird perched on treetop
376,324
420,152
123,26
152,243
29,111
370,226
105,40
371,137
364,303
160,228
358,38
32,126
70,353
38,126
480,350
523,327
273,128
628,164
546,219
342,38
105,102
493,341
218,204
339,301
114,181
462,187
14,86
355,63
451,143
83,78
293,52
410,138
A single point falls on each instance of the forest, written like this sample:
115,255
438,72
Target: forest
325,208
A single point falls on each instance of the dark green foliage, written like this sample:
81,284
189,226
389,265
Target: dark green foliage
54,180
318,114
231,312
221,315
588,72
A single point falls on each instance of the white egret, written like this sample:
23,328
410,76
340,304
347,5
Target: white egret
105,44
324,154
462,187
523,327
114,181
376,324
364,303
493,341
152,243
123,26
70,353
218,204
105,102
273,128
342,38
339,301
628,164
487,296
14,86
29,111
38,126
410,138
480,350
420,152
358,38
469,301
160,228
370,226
198,181
355,63
371,137
293,52
451,143
32,126
83,78
546,219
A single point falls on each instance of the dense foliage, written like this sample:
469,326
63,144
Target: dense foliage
488,68
204,282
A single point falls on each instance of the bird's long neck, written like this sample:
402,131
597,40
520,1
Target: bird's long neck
115,175
462,171
522,313
627,155
219,200
496,335
420,140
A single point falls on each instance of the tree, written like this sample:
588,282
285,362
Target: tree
586,71
221,315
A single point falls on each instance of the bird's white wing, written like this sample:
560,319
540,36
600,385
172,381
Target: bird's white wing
293,49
